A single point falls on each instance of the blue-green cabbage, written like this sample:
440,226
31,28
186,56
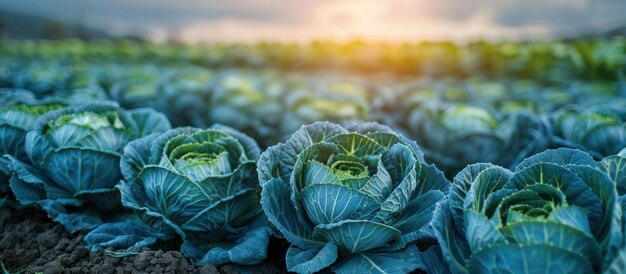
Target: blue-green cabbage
615,168
10,96
186,95
42,78
199,185
600,131
353,199
456,135
136,87
15,122
248,103
17,116
556,213
309,107
74,156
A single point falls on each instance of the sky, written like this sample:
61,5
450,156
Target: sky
305,20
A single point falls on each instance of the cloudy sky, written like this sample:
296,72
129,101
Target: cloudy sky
303,20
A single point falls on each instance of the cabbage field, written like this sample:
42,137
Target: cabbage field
351,157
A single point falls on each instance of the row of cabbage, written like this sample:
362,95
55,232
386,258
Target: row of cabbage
362,198
455,122
559,61
359,198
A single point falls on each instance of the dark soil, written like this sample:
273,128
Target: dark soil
30,242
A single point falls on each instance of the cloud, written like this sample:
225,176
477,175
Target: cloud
162,12
563,16
202,20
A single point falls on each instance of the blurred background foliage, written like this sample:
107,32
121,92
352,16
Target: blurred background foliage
482,101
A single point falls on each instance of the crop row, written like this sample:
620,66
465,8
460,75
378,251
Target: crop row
360,175
546,61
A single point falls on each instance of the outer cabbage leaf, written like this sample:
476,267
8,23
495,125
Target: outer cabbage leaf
618,264
245,248
310,260
402,261
130,233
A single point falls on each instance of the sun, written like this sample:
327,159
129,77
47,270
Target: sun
349,18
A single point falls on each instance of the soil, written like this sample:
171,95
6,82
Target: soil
31,243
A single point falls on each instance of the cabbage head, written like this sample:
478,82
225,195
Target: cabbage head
353,199
456,135
201,185
15,122
600,131
137,86
9,96
41,77
556,213
246,102
74,156
615,167
309,106
17,117
185,97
